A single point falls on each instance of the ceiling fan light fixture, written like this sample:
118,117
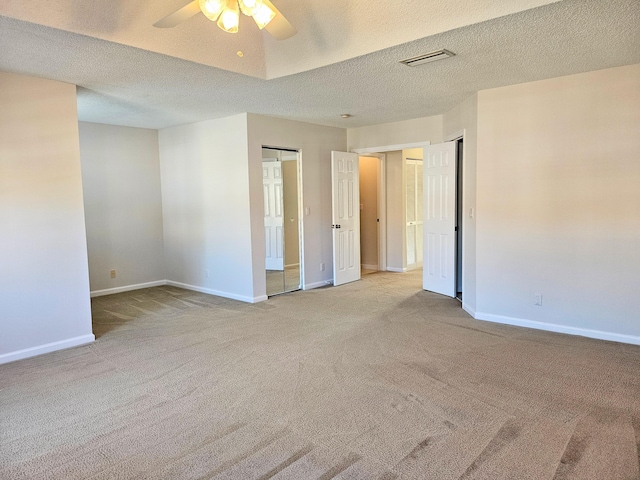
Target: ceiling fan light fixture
249,7
263,15
212,8
230,17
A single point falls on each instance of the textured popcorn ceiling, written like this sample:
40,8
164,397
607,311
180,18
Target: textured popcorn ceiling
329,30
137,86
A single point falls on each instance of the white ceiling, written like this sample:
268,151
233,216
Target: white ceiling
343,60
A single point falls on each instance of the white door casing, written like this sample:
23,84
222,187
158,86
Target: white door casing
439,218
273,215
345,217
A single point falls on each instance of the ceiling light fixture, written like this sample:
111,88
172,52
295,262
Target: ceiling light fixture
345,115
428,57
226,13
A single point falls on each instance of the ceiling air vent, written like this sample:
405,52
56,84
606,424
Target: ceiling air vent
427,57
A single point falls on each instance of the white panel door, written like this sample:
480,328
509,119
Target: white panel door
440,218
345,218
273,215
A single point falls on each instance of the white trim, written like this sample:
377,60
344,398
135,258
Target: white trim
217,293
369,267
46,348
396,269
467,308
552,327
390,148
454,136
301,253
311,286
127,288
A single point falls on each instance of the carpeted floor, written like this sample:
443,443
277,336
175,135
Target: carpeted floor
372,380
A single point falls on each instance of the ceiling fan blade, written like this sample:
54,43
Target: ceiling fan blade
279,27
179,16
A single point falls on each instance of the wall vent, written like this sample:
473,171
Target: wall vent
427,57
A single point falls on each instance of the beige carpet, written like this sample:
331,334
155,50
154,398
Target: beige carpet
372,380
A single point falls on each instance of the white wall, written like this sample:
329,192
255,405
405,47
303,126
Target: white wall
558,199
44,287
206,207
465,117
315,143
123,206
396,133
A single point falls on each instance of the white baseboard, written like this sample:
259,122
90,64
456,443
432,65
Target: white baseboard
311,286
127,288
369,267
217,293
469,310
397,270
46,348
552,327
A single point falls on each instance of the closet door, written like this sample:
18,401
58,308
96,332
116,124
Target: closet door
414,217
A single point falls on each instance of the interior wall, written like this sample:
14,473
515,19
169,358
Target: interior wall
465,117
369,212
315,143
290,204
396,133
559,203
123,206
396,224
206,207
44,287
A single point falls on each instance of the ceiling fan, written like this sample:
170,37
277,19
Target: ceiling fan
227,15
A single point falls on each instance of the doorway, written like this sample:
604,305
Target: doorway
280,180
369,215
459,192
413,193
391,204
398,219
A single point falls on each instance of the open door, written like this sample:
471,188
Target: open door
345,217
440,218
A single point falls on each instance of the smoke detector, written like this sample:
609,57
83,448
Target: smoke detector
427,57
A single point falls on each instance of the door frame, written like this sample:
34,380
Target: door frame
298,152
380,152
381,206
454,137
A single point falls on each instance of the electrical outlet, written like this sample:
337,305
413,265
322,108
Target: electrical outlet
113,273
537,299
322,267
